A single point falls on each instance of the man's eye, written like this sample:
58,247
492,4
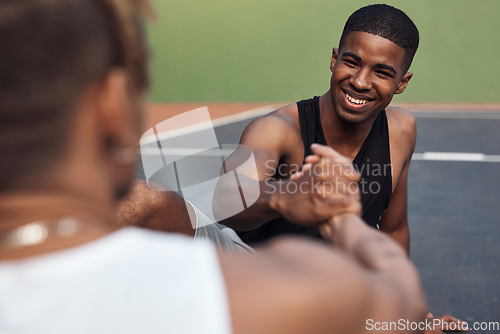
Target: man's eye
350,62
384,73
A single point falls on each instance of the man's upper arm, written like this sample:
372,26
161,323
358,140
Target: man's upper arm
402,131
280,291
270,138
273,140
156,210
297,286
394,221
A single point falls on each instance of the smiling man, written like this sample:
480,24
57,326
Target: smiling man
369,66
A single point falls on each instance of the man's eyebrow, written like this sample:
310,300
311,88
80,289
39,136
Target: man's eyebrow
352,55
387,67
380,65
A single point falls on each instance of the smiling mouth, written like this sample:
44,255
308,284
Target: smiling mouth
355,101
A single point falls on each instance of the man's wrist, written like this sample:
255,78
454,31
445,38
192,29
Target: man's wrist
274,202
337,221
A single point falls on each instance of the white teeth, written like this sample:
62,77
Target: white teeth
355,101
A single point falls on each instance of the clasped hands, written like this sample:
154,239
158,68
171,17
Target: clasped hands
327,186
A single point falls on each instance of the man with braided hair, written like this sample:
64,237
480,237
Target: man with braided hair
72,80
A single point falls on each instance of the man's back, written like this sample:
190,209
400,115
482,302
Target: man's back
131,281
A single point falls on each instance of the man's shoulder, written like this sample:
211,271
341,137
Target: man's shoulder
283,121
402,132
401,121
278,132
287,114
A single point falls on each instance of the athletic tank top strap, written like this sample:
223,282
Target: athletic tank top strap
310,124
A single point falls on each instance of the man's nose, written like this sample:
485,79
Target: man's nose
361,80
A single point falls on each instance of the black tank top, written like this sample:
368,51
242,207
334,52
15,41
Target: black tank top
373,161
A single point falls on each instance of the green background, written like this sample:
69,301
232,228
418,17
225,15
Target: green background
279,50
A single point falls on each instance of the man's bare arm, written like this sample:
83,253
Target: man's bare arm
394,222
302,200
264,138
297,286
403,132
156,210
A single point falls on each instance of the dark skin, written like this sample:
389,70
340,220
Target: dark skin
366,73
278,290
156,210
371,69
358,73
286,289
286,263
368,67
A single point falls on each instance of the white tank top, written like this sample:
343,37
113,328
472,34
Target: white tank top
131,281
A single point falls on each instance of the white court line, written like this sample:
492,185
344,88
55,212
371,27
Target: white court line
455,156
456,115
426,156
253,113
242,116
189,152
420,114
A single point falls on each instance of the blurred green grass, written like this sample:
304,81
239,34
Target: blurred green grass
277,50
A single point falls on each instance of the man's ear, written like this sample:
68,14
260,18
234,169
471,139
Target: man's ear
404,82
115,109
335,55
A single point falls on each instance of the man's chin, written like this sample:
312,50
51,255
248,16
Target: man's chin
357,115
353,117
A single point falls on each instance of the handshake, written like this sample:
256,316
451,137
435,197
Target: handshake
324,190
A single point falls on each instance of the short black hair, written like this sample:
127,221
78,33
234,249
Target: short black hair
387,22
52,51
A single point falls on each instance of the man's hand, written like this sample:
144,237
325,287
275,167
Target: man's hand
445,323
326,186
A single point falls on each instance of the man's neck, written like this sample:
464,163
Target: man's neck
18,209
346,138
21,207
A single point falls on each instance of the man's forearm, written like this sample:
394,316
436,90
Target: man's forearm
254,215
322,189
375,250
402,237
350,233
397,280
